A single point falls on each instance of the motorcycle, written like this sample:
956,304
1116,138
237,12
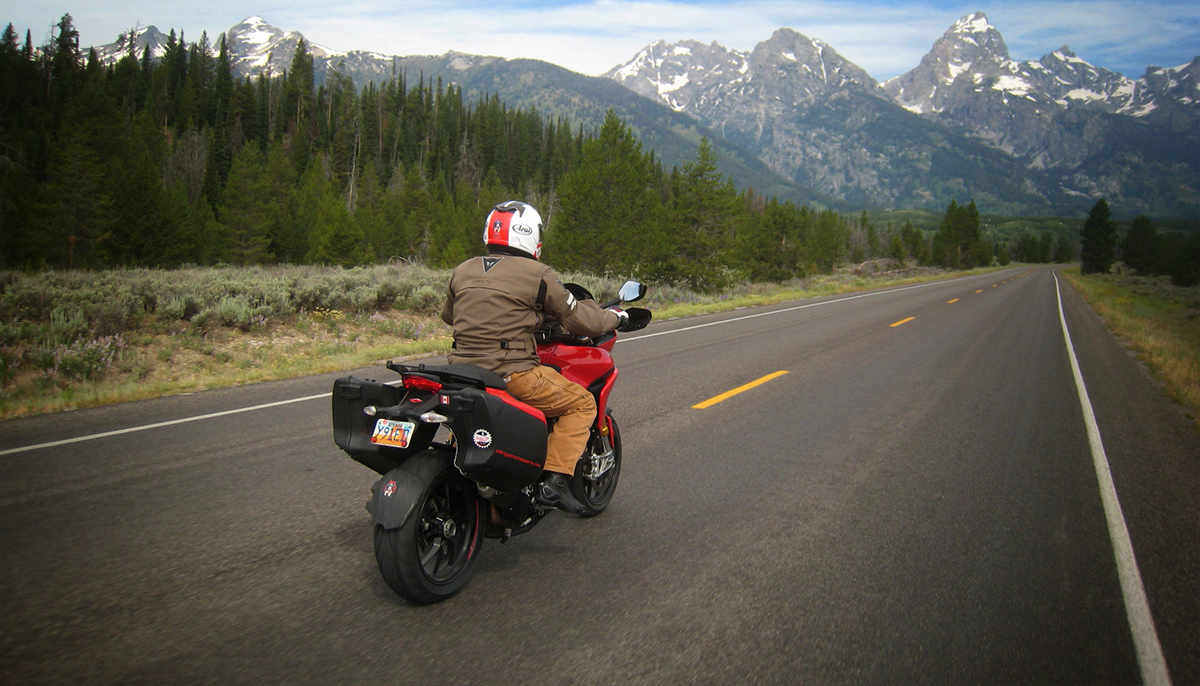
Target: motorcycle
461,458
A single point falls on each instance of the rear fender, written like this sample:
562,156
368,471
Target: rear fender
394,497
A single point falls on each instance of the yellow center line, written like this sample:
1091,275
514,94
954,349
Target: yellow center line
902,321
979,291
729,394
951,302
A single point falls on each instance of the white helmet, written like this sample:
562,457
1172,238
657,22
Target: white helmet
514,224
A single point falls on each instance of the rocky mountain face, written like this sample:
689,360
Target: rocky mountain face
795,119
968,79
1055,133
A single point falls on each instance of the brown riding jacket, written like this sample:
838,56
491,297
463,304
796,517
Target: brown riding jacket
496,302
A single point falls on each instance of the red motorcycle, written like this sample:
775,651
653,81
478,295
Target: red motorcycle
460,457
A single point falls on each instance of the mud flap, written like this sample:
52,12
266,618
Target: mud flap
394,497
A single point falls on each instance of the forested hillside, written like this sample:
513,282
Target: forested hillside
160,163
170,162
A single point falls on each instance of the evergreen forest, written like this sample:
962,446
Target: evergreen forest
174,161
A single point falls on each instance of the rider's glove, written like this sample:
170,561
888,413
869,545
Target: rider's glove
622,319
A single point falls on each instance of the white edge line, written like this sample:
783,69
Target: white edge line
1137,607
135,429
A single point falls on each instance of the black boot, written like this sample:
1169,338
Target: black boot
554,490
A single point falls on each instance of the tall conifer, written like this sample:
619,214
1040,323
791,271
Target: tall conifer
1099,238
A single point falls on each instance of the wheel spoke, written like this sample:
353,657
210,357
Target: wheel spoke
435,547
449,553
440,555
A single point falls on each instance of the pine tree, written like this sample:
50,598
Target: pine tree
1064,250
608,205
771,245
896,249
138,234
827,241
282,219
66,67
703,207
1099,238
1182,258
333,238
242,211
958,243
72,212
1139,250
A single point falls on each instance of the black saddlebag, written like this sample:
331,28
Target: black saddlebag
501,441
352,428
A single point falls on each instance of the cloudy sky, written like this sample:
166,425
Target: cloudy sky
885,37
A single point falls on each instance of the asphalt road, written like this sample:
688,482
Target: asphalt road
915,500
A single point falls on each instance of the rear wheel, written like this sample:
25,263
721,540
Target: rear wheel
597,472
431,556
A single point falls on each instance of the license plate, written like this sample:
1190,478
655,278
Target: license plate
393,433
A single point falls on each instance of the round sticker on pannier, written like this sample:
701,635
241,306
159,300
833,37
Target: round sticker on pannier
483,439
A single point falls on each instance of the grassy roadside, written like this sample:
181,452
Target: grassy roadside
163,353
1158,321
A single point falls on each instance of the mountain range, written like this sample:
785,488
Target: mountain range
796,120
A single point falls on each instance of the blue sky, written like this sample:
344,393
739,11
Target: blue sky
886,38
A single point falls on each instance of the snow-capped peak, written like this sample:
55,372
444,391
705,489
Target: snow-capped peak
972,23
676,72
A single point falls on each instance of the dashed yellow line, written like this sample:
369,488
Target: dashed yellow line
729,394
951,302
902,321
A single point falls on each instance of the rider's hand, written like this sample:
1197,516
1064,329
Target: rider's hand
622,319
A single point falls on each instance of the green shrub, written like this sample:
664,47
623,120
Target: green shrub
66,324
88,358
205,319
112,317
10,362
426,299
385,295
179,307
234,312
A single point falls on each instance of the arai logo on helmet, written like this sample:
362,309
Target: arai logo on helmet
522,229
482,439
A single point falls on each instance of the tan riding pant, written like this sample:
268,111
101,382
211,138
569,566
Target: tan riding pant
556,396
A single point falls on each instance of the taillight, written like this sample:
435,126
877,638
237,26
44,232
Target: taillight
420,383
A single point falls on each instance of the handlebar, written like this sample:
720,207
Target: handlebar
551,330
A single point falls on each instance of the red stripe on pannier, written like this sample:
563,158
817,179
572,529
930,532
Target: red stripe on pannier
524,407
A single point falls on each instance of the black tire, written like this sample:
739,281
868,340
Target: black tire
597,493
431,556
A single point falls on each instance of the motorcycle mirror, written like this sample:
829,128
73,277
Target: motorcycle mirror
631,291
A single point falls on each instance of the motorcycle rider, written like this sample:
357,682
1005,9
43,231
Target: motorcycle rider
495,303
